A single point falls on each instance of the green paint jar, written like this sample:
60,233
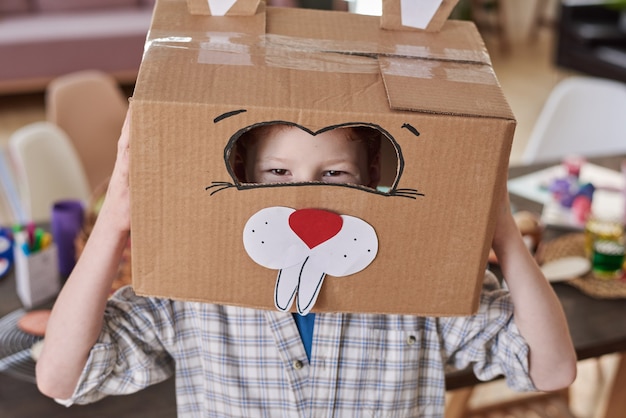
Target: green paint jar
608,259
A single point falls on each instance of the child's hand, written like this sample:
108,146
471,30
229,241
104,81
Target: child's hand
116,206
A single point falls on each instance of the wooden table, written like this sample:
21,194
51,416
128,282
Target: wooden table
598,327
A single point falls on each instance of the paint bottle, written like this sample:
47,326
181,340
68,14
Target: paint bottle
624,191
604,235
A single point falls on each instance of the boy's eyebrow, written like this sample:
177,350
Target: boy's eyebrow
338,160
272,159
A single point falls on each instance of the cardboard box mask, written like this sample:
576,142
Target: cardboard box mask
204,80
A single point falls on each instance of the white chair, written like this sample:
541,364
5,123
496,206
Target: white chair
582,115
47,169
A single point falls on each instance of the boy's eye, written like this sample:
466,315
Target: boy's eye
278,171
333,173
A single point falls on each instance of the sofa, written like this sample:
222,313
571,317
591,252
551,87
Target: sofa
591,38
43,39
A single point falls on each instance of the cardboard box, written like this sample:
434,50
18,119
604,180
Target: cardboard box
203,79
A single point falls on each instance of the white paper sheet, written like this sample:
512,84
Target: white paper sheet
608,196
220,7
534,186
418,13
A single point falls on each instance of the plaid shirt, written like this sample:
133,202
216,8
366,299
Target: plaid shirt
238,362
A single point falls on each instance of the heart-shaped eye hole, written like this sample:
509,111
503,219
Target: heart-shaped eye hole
373,163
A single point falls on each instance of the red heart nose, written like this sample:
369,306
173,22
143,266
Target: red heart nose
315,226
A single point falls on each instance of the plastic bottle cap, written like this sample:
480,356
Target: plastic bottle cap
608,205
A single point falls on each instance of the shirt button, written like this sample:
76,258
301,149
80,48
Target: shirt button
411,340
297,364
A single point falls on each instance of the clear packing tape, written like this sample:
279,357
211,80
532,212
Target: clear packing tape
416,61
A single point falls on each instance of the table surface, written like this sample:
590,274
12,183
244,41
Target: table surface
597,328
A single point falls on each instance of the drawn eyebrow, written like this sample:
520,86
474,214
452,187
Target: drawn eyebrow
411,129
228,114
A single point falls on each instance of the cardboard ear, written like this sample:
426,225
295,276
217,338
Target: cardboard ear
223,7
423,15
428,15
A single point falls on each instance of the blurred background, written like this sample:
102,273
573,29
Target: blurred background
73,66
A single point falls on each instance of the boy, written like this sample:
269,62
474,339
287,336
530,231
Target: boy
280,153
232,361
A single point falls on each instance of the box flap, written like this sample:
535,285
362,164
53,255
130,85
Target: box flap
416,85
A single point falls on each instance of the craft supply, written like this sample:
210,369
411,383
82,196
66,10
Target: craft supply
67,222
581,209
573,165
34,322
598,229
605,227
33,239
623,166
608,259
35,350
36,269
565,268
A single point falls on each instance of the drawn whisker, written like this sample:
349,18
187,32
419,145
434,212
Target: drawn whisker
410,193
401,195
220,185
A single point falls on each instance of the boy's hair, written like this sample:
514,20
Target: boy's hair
372,138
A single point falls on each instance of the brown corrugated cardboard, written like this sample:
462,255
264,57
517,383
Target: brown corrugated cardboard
203,79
